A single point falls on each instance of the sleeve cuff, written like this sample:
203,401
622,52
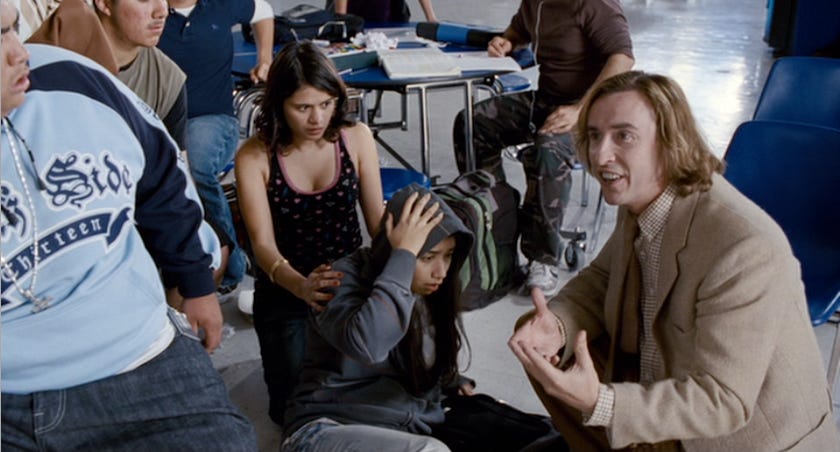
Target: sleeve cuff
262,11
196,284
602,415
562,328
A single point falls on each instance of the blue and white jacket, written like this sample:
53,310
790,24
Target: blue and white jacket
118,209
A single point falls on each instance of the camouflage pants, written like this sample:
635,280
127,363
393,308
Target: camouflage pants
508,120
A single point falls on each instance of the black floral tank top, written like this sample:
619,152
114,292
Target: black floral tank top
313,228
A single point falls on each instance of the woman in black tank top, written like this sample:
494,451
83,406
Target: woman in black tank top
299,181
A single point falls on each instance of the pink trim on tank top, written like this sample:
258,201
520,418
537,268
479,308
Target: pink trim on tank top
335,178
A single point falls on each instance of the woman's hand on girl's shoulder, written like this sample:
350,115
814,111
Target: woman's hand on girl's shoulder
311,288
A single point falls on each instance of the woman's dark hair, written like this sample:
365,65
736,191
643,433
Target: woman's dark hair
443,307
298,64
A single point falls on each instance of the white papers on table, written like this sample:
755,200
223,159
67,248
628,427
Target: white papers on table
480,61
417,63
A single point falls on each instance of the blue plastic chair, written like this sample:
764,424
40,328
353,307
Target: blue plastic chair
393,179
791,171
802,89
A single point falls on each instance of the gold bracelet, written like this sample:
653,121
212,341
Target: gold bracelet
273,268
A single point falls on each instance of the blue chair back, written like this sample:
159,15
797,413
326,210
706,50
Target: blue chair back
802,89
393,179
512,83
792,171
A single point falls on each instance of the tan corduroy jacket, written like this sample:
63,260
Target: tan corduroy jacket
742,369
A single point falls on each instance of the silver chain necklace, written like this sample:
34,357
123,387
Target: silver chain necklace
38,303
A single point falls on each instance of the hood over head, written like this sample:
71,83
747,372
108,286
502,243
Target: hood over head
75,26
450,225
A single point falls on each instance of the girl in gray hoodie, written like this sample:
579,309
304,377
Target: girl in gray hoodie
386,344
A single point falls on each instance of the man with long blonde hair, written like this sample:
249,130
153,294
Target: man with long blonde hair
690,330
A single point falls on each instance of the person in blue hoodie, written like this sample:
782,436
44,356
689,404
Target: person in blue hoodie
96,207
385,346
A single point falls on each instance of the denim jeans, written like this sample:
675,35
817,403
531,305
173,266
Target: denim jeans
282,337
211,144
176,401
326,435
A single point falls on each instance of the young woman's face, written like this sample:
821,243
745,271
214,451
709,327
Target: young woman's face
308,112
432,267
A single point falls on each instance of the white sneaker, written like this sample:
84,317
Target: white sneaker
227,293
546,277
246,304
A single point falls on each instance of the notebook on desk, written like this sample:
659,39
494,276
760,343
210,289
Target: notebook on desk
417,63
479,61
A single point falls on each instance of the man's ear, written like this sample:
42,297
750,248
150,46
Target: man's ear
103,6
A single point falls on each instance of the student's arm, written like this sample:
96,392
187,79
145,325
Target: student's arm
565,117
367,166
428,10
515,35
168,216
176,119
502,45
252,172
608,36
263,25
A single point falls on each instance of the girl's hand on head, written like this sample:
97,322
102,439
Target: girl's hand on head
416,221
311,288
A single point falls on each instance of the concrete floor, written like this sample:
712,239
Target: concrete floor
713,48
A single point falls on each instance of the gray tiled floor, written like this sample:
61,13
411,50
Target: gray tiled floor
712,47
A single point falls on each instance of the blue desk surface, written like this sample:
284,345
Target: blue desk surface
245,53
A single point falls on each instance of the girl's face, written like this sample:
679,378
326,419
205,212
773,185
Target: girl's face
308,113
432,267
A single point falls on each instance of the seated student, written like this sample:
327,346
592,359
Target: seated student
299,181
395,11
121,35
197,38
690,329
95,203
576,44
386,343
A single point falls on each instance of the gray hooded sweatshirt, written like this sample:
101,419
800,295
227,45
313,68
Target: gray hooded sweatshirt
348,372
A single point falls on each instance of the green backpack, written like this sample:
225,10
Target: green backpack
489,209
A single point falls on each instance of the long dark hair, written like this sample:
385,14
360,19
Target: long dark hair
299,64
444,309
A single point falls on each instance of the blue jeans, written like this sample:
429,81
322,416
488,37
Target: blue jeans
176,401
327,435
282,337
211,144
